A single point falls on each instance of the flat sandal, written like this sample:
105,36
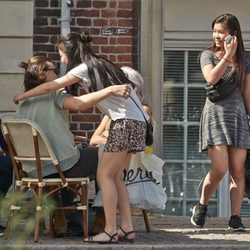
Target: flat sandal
110,241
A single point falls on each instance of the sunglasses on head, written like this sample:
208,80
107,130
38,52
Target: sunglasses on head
53,69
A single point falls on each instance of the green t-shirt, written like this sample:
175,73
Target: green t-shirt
48,112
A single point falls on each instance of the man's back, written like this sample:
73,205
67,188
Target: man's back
47,111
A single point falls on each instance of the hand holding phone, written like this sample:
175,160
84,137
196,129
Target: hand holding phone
228,39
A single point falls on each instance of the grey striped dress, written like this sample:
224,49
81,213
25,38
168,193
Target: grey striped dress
224,122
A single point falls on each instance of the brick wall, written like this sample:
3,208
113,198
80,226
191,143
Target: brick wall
113,25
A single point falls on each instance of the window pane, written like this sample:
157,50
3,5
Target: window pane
195,176
196,100
174,207
245,208
173,66
172,103
193,145
173,180
172,142
194,70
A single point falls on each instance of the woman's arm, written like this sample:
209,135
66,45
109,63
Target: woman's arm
47,87
100,135
211,73
83,102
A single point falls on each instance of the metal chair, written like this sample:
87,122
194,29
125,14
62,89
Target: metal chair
26,142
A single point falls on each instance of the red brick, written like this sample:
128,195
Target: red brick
99,4
54,21
86,118
48,30
108,13
41,21
125,23
100,22
112,40
54,39
112,4
97,110
124,13
124,40
83,22
101,40
48,12
85,13
44,47
86,126
39,3
55,57
95,31
40,39
124,58
73,126
116,49
125,4
83,4
54,3
113,22
96,49
112,58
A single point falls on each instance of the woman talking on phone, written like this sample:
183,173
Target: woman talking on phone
224,126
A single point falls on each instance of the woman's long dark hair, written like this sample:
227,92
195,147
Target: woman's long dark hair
231,22
77,47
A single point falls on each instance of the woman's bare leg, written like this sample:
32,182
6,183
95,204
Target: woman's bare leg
123,204
110,167
219,161
237,185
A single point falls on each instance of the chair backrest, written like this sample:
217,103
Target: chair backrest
27,142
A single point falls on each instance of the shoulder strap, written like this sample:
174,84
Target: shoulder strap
139,108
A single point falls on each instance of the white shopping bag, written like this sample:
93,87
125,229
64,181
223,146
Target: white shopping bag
144,182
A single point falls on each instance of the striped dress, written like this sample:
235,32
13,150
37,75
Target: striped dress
224,122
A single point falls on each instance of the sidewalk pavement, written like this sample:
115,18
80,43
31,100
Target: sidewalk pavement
167,232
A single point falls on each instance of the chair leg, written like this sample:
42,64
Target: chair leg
146,221
9,223
51,225
11,215
38,214
84,203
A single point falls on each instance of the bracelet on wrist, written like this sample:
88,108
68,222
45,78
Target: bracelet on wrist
226,60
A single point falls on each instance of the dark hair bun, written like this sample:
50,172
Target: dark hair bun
23,65
86,39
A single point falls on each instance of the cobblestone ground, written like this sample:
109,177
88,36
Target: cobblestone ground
167,232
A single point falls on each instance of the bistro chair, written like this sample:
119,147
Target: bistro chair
27,142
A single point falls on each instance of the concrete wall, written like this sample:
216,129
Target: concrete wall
16,29
188,23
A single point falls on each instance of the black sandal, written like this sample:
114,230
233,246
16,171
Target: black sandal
110,241
125,236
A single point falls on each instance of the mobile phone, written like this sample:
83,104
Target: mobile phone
228,39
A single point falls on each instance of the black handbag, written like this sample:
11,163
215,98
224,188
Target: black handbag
222,89
149,130
149,134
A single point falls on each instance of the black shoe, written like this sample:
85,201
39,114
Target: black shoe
2,230
199,215
235,224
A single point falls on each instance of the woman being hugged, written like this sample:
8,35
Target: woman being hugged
224,126
127,128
